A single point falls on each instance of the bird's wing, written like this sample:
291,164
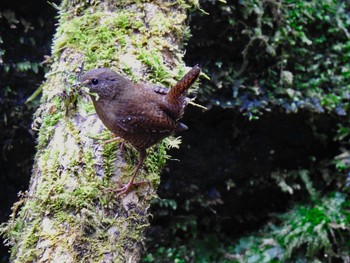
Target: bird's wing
151,121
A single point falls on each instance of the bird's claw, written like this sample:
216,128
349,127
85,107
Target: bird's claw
126,188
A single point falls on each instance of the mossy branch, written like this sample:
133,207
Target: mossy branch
68,210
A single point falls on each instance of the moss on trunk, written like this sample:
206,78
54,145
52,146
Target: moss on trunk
68,214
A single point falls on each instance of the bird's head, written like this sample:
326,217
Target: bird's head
104,82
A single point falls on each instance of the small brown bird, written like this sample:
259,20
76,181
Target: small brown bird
140,113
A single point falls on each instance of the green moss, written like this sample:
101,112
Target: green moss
49,119
68,189
89,164
85,107
154,61
100,36
109,158
155,161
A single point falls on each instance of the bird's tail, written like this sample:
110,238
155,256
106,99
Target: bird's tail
176,95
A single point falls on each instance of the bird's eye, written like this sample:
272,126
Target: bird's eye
94,81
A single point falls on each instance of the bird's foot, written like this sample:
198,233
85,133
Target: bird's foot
126,188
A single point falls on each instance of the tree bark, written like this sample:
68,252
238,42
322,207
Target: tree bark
68,214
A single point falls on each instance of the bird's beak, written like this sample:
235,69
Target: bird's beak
84,83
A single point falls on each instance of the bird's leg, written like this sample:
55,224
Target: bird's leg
115,139
127,187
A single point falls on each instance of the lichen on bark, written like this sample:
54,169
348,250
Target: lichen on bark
68,214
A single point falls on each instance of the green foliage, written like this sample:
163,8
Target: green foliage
18,34
313,229
168,203
203,250
305,233
288,181
291,54
24,40
342,161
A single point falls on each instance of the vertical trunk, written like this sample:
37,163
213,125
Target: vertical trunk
68,214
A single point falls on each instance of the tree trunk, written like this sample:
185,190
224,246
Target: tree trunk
68,214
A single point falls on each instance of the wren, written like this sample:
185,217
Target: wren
140,113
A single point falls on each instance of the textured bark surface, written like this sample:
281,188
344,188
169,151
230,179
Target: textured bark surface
68,214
